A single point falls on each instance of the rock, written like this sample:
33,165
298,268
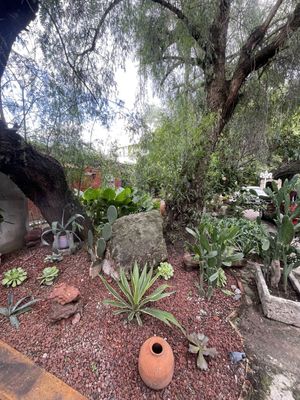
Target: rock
64,294
138,237
59,311
108,268
189,262
296,271
76,318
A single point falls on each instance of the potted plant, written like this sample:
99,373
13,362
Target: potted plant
64,233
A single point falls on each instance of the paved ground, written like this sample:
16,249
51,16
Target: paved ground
273,349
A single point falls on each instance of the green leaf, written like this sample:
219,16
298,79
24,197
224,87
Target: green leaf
113,292
201,362
163,316
286,231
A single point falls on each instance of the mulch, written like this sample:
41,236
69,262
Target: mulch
98,356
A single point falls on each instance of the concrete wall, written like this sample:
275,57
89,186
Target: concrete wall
14,204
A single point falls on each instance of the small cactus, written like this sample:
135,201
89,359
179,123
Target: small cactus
112,214
106,232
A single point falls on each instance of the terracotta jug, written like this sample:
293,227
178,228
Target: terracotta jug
156,363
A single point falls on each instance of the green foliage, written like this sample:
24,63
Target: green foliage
198,345
48,276
126,201
249,233
213,247
13,310
14,277
134,299
165,270
278,246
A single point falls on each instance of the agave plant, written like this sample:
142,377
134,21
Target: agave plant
48,275
198,345
133,299
14,277
13,310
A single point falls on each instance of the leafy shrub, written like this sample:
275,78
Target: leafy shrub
48,276
133,299
14,277
127,201
165,270
12,311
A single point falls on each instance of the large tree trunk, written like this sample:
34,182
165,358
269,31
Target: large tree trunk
41,178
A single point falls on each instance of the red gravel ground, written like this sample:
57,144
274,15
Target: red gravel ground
98,356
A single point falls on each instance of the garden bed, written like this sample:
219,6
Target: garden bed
98,356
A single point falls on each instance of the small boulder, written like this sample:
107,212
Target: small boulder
138,237
189,262
64,294
59,311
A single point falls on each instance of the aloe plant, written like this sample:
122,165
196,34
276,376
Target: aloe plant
48,275
13,310
198,345
133,299
14,277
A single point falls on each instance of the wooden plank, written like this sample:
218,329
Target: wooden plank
21,379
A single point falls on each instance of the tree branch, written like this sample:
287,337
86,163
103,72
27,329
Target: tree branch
194,32
250,61
92,47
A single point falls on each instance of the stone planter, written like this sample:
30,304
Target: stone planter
156,363
277,308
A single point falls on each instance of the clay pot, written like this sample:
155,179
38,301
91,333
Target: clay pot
156,363
162,207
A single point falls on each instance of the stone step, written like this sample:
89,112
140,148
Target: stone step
21,379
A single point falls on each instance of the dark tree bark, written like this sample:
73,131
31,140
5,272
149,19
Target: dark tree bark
15,15
40,177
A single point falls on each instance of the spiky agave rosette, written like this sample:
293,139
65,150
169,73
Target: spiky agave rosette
14,277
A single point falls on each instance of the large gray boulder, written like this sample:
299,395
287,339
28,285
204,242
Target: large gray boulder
138,237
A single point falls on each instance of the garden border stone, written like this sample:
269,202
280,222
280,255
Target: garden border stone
277,308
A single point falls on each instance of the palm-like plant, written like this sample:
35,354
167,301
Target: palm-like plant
133,299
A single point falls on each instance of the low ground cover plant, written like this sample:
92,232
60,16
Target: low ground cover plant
14,277
48,276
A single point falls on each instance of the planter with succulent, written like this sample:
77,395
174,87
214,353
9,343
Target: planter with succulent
14,277
13,310
64,233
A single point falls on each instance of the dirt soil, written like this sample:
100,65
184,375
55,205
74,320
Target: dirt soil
98,356
271,347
